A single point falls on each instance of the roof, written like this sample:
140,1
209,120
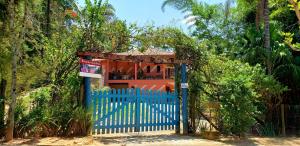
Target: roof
151,55
148,52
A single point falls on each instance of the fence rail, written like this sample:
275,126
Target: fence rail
134,110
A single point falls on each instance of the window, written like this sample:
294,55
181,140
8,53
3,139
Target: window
148,69
158,69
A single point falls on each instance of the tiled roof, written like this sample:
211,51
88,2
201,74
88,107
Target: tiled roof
148,52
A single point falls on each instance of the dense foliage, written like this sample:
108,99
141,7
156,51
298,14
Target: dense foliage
251,66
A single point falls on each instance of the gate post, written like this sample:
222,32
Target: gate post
87,89
184,99
137,110
177,99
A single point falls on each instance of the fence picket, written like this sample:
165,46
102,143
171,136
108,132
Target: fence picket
127,110
113,103
158,110
151,109
165,110
155,109
162,111
121,124
99,106
94,109
177,110
147,97
137,112
173,111
108,112
104,96
132,99
169,111
143,109
116,113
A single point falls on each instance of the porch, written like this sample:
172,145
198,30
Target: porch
125,74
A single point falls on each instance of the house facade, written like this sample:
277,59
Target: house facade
146,70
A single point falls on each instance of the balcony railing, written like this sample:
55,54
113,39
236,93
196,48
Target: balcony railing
120,76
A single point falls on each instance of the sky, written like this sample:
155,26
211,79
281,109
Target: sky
144,12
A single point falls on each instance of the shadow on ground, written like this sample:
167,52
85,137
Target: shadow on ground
170,139
155,139
139,139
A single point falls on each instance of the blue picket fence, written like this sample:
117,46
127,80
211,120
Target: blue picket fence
134,110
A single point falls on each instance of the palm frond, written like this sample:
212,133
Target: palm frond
182,5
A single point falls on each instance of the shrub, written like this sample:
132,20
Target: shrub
79,123
240,88
37,116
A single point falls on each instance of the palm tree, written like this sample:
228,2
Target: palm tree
182,5
94,15
263,11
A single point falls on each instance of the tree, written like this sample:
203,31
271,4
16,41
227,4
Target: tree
11,111
94,16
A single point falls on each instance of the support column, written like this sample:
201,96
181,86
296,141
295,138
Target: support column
107,73
184,99
164,71
135,71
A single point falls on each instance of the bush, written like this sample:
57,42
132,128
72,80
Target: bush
32,114
240,88
37,116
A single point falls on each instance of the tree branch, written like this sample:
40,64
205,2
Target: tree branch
296,9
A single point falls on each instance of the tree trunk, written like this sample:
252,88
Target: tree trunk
193,111
267,36
2,105
13,41
282,120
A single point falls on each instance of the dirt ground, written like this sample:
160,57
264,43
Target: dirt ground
155,139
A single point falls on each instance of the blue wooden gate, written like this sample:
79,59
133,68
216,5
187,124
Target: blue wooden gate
134,110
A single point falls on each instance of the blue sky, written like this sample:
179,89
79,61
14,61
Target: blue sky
145,12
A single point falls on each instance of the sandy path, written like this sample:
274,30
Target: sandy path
154,139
